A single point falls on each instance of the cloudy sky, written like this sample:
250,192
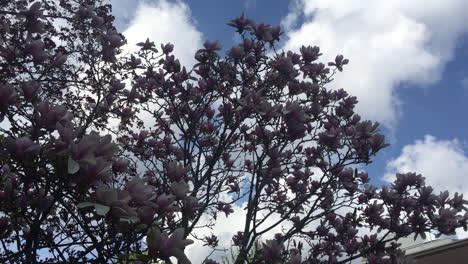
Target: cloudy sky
407,65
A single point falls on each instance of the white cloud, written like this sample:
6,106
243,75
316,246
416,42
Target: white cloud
162,22
388,43
443,163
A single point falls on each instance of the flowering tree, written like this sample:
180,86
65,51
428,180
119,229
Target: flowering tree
107,156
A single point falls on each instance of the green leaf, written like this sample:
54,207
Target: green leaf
84,204
73,166
130,220
91,161
101,209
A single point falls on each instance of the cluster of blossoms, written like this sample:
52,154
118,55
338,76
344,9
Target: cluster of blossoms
110,157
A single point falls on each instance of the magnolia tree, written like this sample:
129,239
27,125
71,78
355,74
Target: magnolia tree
107,156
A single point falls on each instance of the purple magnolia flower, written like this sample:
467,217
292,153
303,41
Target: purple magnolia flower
106,195
211,46
284,65
237,53
310,54
240,23
32,15
211,241
295,259
225,208
85,11
237,238
8,96
458,202
167,48
175,172
21,148
30,89
116,86
165,203
251,61
126,113
139,192
36,49
34,11
47,116
147,45
276,33
96,21
171,64
120,209
161,245
272,251
120,165
190,205
146,214
295,120
104,146
339,62
262,31
114,39
180,189
96,169
134,62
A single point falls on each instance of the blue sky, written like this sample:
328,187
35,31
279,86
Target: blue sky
407,65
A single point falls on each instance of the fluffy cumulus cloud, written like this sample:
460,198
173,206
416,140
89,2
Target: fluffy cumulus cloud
388,43
443,163
162,22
